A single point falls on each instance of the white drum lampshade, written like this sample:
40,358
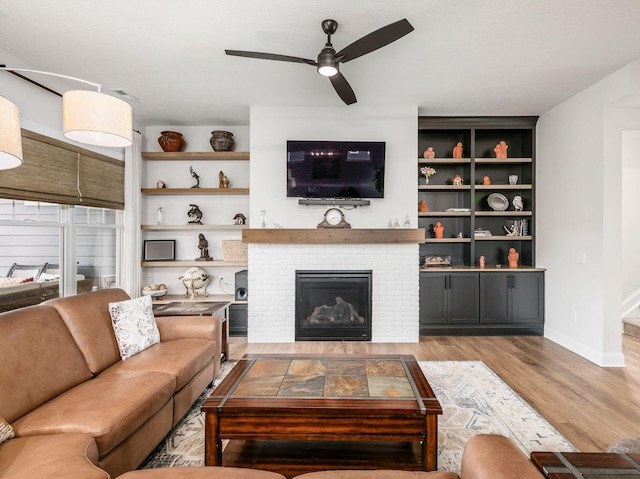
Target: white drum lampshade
96,119
10,135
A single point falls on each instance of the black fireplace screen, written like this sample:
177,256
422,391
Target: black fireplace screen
333,305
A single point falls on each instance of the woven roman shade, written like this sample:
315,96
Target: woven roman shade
57,172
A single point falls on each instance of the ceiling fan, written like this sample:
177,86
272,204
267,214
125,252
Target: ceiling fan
328,62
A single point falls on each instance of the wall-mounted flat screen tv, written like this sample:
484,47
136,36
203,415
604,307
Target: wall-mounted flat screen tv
335,169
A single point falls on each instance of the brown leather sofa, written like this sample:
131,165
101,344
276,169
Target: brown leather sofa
77,409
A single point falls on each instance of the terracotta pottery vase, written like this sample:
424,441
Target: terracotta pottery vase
222,140
171,141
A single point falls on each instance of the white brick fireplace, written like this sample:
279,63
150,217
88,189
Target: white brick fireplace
272,268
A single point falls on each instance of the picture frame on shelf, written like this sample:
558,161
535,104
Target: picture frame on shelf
159,250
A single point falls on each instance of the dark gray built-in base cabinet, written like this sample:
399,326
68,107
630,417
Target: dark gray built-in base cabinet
482,303
238,319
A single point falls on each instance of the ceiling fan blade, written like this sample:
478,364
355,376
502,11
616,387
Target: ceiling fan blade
270,56
342,88
375,40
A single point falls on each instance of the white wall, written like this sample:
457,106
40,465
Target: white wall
630,218
271,127
578,211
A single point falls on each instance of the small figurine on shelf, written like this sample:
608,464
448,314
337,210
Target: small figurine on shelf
429,154
457,180
203,246
457,150
422,206
195,215
517,203
224,181
481,261
239,219
501,149
438,229
161,184
513,258
195,176
407,222
486,180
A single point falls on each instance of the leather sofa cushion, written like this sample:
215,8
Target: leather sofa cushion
110,408
40,360
182,358
210,472
492,456
87,318
69,456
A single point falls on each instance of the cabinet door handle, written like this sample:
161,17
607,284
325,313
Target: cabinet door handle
512,281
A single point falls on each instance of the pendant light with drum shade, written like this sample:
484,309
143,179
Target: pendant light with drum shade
88,117
10,135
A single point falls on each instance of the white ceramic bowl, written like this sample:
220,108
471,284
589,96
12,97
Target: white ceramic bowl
159,293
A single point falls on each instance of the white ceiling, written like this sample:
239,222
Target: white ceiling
465,57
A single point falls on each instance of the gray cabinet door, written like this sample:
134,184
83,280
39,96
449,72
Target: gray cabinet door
494,298
433,298
462,296
527,298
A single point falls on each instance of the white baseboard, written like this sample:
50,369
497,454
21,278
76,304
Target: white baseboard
602,359
631,303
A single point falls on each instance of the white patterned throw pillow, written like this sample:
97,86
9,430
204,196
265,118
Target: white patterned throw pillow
6,431
134,325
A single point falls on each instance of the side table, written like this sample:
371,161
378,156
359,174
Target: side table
200,308
564,465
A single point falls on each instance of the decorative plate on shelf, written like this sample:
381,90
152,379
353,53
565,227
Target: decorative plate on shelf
498,202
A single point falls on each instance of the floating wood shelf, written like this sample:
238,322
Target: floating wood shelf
196,155
193,227
333,236
195,191
189,263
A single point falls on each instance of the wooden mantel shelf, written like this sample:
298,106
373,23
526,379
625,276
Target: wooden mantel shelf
333,236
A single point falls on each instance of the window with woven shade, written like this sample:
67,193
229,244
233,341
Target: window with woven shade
58,172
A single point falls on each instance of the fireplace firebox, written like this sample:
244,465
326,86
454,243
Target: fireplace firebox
333,306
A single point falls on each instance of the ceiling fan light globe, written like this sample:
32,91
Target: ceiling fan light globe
327,70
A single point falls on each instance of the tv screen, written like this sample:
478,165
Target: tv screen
335,169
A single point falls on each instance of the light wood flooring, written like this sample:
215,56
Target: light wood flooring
591,406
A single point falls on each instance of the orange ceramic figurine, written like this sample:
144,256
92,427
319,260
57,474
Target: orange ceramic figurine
481,261
513,258
438,229
457,150
486,180
501,149
422,207
429,153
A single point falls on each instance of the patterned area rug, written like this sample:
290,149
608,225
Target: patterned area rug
474,400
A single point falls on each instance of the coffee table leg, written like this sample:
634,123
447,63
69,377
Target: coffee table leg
212,442
430,444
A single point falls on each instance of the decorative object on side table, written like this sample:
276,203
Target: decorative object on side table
195,215
457,180
517,203
438,230
156,291
334,218
193,279
224,181
429,153
203,246
513,258
171,141
501,149
457,150
195,176
222,140
427,171
239,219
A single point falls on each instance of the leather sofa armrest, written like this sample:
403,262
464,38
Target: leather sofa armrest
491,456
189,327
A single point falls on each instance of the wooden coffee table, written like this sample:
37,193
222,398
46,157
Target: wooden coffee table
580,465
269,397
